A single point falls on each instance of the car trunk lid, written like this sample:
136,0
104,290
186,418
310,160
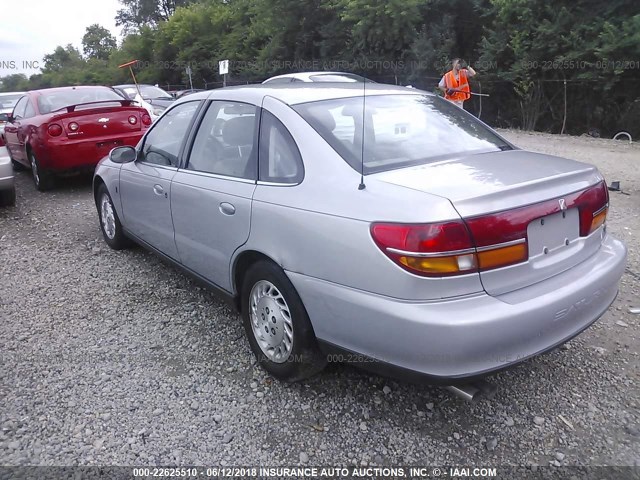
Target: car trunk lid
104,121
514,197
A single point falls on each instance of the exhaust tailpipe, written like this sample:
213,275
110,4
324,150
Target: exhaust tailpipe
474,391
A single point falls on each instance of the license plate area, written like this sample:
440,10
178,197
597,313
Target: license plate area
553,234
110,144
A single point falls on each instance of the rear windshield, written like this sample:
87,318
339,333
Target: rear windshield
57,99
148,92
398,131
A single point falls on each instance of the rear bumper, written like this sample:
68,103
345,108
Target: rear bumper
6,170
466,337
82,154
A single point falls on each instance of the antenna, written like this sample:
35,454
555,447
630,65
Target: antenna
362,186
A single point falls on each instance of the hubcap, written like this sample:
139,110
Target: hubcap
34,170
271,321
107,216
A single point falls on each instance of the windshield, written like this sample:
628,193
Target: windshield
57,99
148,92
9,101
399,130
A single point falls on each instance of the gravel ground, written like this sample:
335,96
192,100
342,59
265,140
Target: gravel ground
115,358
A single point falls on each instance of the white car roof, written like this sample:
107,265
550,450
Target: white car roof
306,76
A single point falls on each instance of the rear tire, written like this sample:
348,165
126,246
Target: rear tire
277,324
8,197
109,222
42,179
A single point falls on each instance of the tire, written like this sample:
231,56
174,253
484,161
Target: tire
109,222
17,166
8,197
288,348
42,179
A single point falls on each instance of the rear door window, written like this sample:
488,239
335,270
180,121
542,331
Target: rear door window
224,144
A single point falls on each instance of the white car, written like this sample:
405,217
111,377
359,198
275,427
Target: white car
8,100
314,77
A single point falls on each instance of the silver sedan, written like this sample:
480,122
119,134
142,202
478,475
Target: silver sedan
370,224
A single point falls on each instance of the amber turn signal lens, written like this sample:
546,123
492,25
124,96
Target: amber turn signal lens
598,219
501,257
440,265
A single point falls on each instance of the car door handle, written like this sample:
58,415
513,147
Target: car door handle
158,190
227,208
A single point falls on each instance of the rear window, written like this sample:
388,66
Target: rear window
148,92
58,99
398,130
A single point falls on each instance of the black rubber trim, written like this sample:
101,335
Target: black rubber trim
389,370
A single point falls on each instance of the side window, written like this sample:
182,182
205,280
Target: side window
280,159
162,144
224,142
29,111
18,110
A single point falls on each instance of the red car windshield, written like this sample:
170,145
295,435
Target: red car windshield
57,99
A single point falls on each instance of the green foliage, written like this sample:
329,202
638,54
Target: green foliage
523,50
98,43
137,13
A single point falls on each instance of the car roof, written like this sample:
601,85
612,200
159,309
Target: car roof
296,93
308,75
62,89
6,94
133,85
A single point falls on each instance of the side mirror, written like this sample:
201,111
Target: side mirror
10,118
123,154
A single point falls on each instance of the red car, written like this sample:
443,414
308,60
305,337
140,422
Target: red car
68,130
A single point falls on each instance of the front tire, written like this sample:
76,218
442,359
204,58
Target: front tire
109,222
41,178
277,324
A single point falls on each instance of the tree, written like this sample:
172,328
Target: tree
98,42
137,13
15,82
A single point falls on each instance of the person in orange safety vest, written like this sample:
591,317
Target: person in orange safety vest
455,83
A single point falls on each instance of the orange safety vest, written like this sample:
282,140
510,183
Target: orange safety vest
461,84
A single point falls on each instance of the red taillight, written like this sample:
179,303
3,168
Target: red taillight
73,126
593,204
133,120
54,130
482,243
146,119
435,249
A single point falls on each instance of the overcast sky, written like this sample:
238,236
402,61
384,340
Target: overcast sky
30,29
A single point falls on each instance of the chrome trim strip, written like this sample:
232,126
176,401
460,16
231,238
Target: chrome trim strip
502,245
276,184
431,254
215,175
456,252
604,207
155,165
